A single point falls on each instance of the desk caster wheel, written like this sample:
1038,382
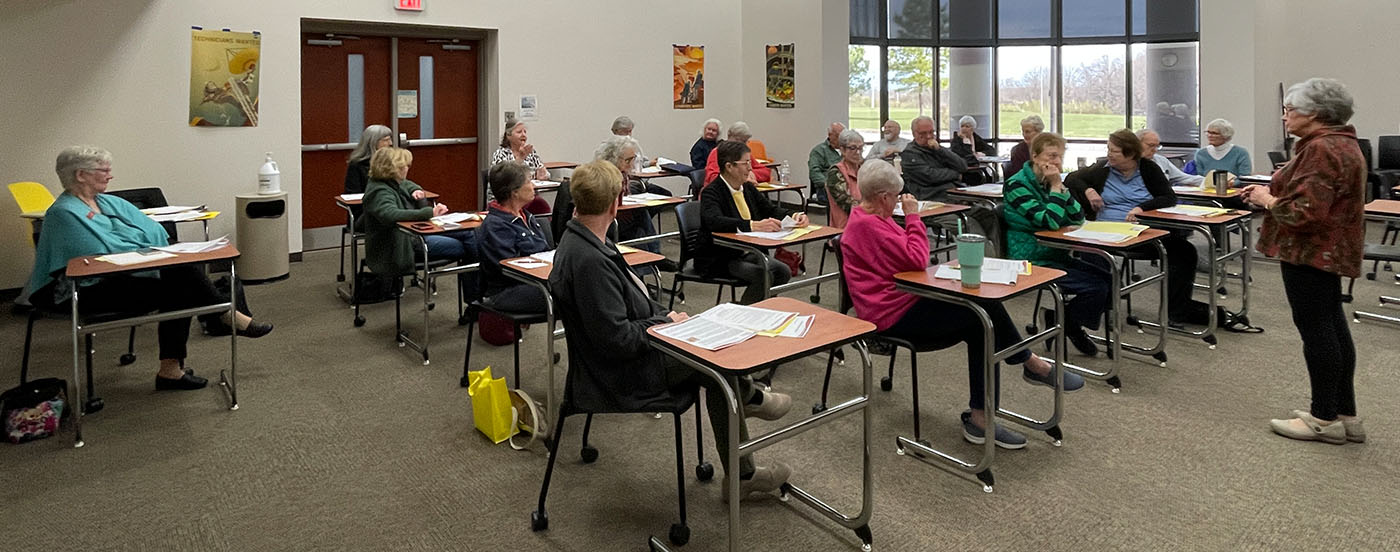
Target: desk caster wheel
783,491
431,306
1211,341
866,538
705,472
985,476
556,358
1031,329
359,321
589,454
126,359
1161,357
465,383
1116,383
1057,437
1132,320
463,320
679,535
1371,276
815,298
340,277
93,405
818,408
539,521
886,384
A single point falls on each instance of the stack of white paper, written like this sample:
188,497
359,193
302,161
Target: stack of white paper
178,217
991,273
643,198
651,170
923,206
352,197
664,161
729,324
194,247
1194,210
545,256
454,218
134,257
985,188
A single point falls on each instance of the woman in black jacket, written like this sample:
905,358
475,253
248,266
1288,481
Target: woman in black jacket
1121,187
968,145
730,204
605,307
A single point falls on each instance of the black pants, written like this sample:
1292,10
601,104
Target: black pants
178,287
931,325
1088,280
750,267
1181,279
1315,297
523,298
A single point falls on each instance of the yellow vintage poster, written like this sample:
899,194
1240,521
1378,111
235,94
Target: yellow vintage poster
224,78
688,78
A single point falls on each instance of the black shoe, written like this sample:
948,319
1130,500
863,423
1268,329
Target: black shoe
882,348
1081,341
667,265
183,383
256,329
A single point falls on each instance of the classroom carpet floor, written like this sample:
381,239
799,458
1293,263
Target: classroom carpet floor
346,442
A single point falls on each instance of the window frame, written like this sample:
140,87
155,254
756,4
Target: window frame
1056,40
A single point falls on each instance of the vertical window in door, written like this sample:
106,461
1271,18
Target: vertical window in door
355,81
425,97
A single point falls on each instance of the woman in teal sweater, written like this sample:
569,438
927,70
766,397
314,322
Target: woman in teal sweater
1220,154
1036,199
86,221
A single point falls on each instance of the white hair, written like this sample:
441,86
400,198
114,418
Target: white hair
1327,99
739,131
707,123
1222,126
873,178
1035,121
622,123
849,136
1142,133
967,120
75,158
918,119
611,149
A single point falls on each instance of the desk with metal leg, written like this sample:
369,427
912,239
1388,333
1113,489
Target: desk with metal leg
418,231
1220,255
1388,211
923,284
350,203
537,274
1117,317
829,330
84,268
761,247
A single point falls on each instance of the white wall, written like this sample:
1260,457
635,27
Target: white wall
1291,41
114,74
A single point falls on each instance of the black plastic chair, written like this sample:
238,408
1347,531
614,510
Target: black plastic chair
517,319
147,198
676,404
93,403
688,217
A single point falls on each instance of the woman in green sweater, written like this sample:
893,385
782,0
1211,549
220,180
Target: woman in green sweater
392,198
1036,199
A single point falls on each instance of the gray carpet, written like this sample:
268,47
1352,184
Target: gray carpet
345,441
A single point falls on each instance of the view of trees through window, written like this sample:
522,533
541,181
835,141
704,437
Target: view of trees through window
1117,63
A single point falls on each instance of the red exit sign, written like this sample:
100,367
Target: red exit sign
411,5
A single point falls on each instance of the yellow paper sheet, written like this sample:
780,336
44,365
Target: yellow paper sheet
1120,228
799,232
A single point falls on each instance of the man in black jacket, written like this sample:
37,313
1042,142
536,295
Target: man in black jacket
605,307
930,170
731,204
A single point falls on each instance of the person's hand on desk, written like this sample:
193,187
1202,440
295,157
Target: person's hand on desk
1132,214
677,316
439,209
1095,200
541,173
907,202
419,194
765,225
799,218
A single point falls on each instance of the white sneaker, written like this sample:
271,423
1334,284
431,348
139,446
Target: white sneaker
1355,432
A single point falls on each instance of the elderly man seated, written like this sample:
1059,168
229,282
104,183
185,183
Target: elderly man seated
1151,142
890,143
823,157
606,308
930,170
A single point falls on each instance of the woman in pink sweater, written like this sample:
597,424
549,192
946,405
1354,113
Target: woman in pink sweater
875,248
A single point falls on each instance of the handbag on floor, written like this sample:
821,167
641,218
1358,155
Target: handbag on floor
491,411
791,258
34,410
527,417
496,329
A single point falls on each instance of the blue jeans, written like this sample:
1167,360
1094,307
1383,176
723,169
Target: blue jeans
1087,278
460,246
636,224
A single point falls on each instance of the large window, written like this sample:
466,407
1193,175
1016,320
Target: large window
1086,67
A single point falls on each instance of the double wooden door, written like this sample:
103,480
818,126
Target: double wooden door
426,89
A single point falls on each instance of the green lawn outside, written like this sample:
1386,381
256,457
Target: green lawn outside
1082,125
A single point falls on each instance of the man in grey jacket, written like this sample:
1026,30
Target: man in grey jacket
930,170
1151,141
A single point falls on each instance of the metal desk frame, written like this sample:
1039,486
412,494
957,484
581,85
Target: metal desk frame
1221,255
425,278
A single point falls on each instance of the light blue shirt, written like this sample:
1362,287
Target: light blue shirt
1235,161
1121,194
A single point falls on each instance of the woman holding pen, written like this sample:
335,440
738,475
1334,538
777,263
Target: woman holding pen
391,198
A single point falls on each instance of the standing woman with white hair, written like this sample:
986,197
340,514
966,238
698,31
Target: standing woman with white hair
1220,154
1314,224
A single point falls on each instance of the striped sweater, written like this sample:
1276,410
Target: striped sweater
1030,208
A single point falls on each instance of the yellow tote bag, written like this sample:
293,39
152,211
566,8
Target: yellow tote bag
490,405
